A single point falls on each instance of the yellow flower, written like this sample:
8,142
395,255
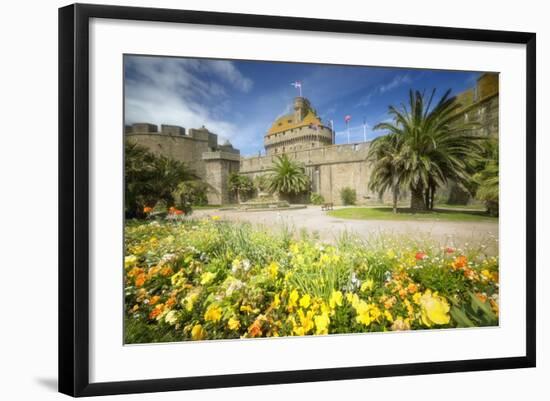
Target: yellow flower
189,301
363,315
273,269
305,301
367,285
246,308
435,309
276,301
388,316
197,332
177,279
130,261
335,299
171,317
207,278
401,324
213,313
416,298
321,323
215,218
306,322
292,299
390,253
233,324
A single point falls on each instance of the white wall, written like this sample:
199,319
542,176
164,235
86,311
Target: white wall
28,165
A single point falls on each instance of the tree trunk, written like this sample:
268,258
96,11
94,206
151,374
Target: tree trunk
417,199
432,196
395,190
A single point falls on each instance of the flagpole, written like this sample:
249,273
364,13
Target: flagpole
347,128
364,130
333,134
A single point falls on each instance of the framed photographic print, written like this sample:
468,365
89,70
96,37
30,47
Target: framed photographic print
250,199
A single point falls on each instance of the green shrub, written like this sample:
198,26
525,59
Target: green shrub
348,196
316,198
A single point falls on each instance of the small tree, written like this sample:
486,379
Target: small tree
240,184
150,178
191,193
316,199
288,177
348,196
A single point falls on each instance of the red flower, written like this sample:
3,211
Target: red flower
449,250
178,212
420,256
147,209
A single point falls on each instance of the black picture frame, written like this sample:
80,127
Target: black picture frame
74,198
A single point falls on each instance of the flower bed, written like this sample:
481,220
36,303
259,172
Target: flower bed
212,279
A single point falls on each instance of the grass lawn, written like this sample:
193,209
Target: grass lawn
385,213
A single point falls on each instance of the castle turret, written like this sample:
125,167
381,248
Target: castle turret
299,130
301,107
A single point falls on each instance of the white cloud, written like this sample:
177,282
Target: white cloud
185,92
396,82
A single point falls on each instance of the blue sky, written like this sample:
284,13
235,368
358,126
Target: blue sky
239,100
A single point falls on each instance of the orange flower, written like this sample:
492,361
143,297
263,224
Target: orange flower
170,302
388,304
166,271
147,209
412,287
255,329
156,311
178,212
460,262
482,297
154,300
420,255
140,279
470,274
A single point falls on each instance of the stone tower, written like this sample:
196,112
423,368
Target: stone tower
300,130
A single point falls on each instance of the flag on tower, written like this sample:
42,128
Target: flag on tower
347,118
297,85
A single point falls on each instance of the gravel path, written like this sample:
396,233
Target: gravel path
447,233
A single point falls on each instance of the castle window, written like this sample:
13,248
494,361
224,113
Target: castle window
312,144
355,147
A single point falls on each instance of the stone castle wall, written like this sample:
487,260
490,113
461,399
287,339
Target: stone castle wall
198,148
330,169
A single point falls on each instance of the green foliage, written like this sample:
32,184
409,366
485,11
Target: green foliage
387,166
316,199
348,196
288,177
430,147
191,193
261,182
240,184
475,313
488,181
150,178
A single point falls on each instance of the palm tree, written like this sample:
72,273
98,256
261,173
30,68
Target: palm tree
433,146
288,177
488,181
384,153
240,184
